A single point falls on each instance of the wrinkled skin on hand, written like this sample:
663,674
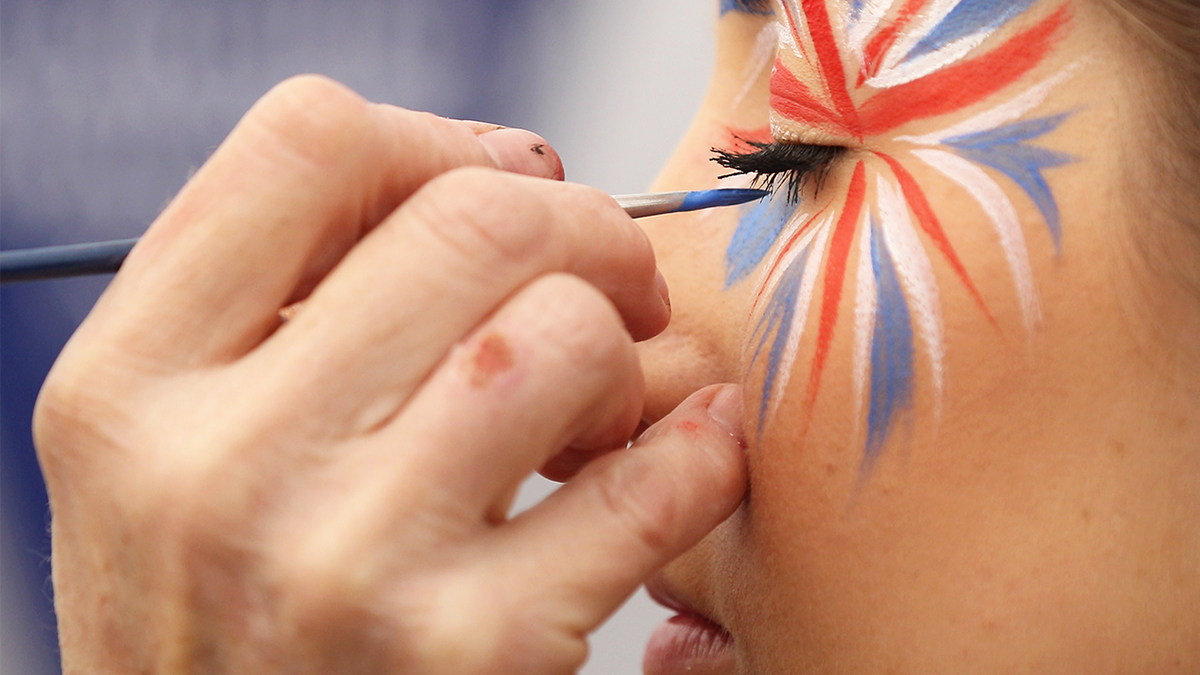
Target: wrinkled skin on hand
234,493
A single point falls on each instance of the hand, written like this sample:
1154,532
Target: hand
232,493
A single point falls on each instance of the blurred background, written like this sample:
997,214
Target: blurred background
107,106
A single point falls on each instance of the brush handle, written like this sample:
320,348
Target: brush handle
55,262
105,257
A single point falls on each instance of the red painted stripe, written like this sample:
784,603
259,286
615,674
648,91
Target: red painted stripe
835,278
930,224
832,67
966,83
738,139
875,50
787,247
794,100
787,8
879,45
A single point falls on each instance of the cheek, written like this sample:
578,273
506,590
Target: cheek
871,301
913,535
703,343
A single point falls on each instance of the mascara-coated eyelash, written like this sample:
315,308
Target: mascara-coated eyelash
780,165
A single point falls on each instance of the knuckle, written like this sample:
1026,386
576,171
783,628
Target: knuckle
575,319
485,215
318,583
442,612
467,623
63,403
79,408
641,501
314,117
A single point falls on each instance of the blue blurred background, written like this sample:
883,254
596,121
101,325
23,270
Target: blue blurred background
106,106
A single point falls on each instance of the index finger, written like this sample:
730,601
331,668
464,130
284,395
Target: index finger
306,173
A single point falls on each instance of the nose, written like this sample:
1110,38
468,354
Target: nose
702,344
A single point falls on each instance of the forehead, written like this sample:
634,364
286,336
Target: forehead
859,68
746,6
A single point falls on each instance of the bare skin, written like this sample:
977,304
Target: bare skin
1047,523
235,494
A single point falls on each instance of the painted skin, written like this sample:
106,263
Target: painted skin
973,442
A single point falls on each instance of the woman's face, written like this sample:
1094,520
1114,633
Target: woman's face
973,446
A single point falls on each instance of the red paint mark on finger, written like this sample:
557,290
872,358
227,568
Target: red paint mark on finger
689,428
493,357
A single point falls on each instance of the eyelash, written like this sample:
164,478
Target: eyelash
775,166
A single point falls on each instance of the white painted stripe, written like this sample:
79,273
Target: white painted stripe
1003,217
760,61
865,307
993,118
926,64
872,15
916,272
805,51
767,282
808,284
932,15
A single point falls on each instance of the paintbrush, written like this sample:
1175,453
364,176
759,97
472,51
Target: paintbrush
105,257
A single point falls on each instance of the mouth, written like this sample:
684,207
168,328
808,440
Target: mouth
688,642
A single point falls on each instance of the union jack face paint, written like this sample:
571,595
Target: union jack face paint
870,73
746,6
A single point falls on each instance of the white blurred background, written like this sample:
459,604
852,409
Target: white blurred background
107,105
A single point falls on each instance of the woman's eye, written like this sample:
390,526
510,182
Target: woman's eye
780,166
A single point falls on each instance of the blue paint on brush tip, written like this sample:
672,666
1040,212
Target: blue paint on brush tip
707,199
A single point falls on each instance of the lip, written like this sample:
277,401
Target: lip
688,642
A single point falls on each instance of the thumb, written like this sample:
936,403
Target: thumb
523,152
582,552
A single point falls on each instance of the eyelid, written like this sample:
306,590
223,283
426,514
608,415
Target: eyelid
777,165
785,130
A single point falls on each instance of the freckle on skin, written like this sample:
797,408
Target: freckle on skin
538,149
494,356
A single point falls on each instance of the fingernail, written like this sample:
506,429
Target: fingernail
661,284
523,152
726,410
481,128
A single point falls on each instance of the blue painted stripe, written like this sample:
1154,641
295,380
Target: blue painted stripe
761,7
707,199
968,18
757,232
1010,134
891,352
778,319
1005,150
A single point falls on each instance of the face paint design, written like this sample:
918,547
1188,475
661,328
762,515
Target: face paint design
746,6
883,65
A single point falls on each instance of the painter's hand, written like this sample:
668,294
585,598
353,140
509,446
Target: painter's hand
236,494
